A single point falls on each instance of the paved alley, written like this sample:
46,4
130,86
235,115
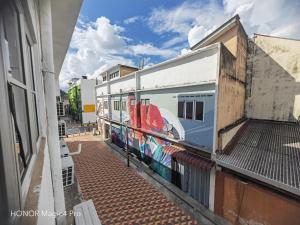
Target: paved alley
120,195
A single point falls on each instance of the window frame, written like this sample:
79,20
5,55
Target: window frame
194,102
124,106
27,38
183,109
116,105
195,108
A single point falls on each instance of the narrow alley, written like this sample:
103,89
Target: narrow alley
119,194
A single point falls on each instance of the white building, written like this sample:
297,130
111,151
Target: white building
34,38
81,95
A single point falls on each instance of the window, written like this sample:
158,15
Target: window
124,106
199,111
145,101
193,110
114,75
180,109
189,110
19,109
21,86
104,78
13,43
105,105
117,105
33,98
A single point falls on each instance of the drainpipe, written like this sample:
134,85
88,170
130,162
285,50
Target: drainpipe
50,99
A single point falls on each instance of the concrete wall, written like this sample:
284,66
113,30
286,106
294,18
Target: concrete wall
232,76
246,203
274,79
231,92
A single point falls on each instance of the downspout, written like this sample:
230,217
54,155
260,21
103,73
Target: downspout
50,99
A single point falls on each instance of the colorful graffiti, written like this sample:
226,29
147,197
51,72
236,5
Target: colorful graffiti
148,117
187,172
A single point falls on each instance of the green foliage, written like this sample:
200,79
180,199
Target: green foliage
74,96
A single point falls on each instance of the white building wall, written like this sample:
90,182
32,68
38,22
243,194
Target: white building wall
126,84
198,67
101,90
88,97
46,200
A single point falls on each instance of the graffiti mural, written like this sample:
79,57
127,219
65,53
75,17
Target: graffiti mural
162,120
176,166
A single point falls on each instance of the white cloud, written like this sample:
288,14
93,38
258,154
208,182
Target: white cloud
131,20
96,46
181,19
149,49
185,51
195,19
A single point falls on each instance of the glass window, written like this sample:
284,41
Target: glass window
30,64
117,105
19,109
13,44
145,101
199,111
124,107
189,110
35,118
180,109
32,83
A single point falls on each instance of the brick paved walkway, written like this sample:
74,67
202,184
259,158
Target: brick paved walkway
120,195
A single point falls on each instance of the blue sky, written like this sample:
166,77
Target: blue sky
125,31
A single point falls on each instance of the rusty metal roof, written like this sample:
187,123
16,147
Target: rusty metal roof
192,159
267,151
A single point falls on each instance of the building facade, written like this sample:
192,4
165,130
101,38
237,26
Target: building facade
116,71
34,38
172,112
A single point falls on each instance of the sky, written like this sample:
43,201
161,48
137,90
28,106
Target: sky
109,32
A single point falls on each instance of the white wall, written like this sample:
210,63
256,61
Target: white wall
196,68
125,84
88,97
46,200
102,90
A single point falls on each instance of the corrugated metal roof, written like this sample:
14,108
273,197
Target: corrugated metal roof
269,152
183,155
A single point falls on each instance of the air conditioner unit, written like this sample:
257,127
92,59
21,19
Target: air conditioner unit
64,150
60,108
62,143
67,171
61,128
